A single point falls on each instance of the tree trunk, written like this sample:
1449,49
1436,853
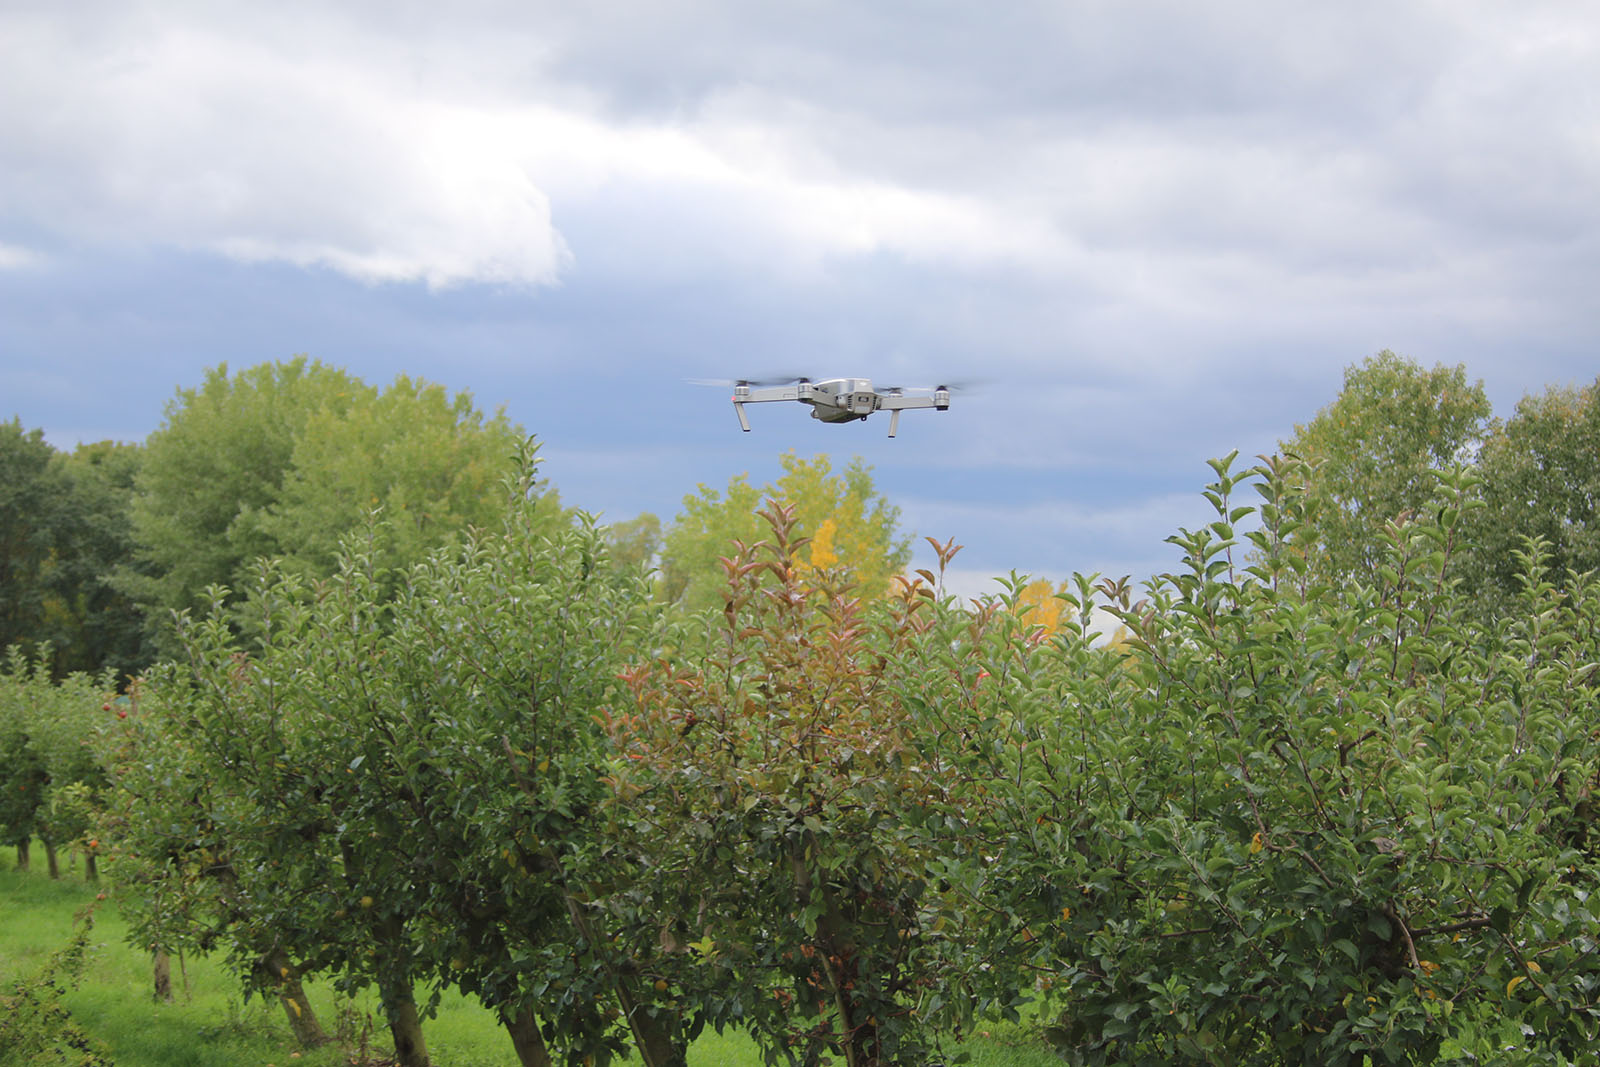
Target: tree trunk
292,995
91,867
23,850
526,1039
52,861
163,977
654,1042
394,990
410,1050
651,1040
858,1038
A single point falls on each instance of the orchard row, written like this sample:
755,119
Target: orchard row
1287,818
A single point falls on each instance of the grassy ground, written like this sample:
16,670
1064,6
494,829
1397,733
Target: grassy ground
209,1025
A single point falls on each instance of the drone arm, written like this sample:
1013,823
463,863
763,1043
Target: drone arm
939,400
743,394
797,391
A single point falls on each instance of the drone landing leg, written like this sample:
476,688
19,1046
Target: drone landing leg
894,422
743,421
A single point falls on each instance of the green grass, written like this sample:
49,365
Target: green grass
210,1025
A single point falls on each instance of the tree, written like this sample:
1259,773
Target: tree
776,779
282,459
394,783
64,530
50,779
852,527
1541,480
24,781
1305,822
214,470
1039,604
31,490
636,542
1371,453
431,463
92,625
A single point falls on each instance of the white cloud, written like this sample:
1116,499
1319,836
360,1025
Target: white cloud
185,138
15,257
186,135
1255,163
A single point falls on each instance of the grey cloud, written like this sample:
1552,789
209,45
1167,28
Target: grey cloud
1159,229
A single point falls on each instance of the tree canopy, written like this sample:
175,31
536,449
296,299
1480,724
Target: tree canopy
1372,452
1541,479
432,463
282,459
64,530
851,527
29,492
214,470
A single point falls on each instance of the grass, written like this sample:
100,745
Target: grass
210,1025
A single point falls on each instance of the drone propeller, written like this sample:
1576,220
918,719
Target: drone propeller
757,382
963,386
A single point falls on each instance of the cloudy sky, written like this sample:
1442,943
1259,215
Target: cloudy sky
1154,232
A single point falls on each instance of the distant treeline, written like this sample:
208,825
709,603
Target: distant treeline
102,547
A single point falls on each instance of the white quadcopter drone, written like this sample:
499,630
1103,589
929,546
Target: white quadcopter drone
838,399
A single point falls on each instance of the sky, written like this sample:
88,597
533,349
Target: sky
1145,233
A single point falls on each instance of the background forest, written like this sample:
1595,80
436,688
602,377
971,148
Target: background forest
333,687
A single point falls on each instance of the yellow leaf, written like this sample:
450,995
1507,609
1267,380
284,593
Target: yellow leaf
1518,980
1534,967
1257,843
823,554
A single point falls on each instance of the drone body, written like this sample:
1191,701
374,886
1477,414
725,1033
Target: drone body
838,399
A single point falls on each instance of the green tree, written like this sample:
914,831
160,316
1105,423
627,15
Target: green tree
92,625
64,531
853,527
781,786
24,781
214,470
1371,453
282,459
395,783
31,490
50,778
1303,822
1541,480
429,462
636,542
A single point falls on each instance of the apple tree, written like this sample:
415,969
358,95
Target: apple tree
781,788
398,779
1303,822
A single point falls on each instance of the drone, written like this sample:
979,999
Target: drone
838,399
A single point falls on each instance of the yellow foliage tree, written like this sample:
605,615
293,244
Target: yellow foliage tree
1039,606
823,555
853,529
